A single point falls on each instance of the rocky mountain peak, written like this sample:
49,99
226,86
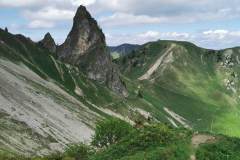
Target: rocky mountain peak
48,43
84,35
85,47
48,36
82,13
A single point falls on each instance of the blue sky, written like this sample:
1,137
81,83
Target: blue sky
208,23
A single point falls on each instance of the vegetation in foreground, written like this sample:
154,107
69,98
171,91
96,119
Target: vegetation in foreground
116,140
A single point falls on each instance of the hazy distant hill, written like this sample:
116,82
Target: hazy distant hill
122,50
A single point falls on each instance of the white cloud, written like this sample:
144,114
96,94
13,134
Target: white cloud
82,2
183,11
166,35
45,3
38,24
133,12
219,38
49,13
121,19
152,34
166,7
216,34
221,34
47,17
18,3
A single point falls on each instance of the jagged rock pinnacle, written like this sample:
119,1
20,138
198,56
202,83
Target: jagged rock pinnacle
82,13
85,47
48,43
84,35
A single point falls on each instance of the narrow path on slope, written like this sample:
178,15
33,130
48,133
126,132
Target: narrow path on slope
159,61
199,139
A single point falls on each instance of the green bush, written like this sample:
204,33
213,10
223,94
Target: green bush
149,142
78,151
11,156
110,131
224,148
54,156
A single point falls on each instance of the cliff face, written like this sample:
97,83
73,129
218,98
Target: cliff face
48,43
85,47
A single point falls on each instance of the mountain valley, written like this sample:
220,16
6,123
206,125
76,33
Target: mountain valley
52,96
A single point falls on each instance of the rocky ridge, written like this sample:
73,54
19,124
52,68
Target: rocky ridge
48,43
85,47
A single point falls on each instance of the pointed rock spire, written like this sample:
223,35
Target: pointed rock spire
85,34
85,47
48,43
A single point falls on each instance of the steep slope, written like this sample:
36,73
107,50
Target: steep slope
85,47
200,85
46,104
39,114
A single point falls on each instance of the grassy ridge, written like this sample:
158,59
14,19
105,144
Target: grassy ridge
191,82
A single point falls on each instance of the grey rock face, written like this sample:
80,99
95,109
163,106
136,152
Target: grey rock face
84,36
48,43
85,47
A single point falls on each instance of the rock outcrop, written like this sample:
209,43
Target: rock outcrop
48,43
85,47
6,29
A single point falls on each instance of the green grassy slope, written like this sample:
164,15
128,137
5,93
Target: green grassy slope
199,84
